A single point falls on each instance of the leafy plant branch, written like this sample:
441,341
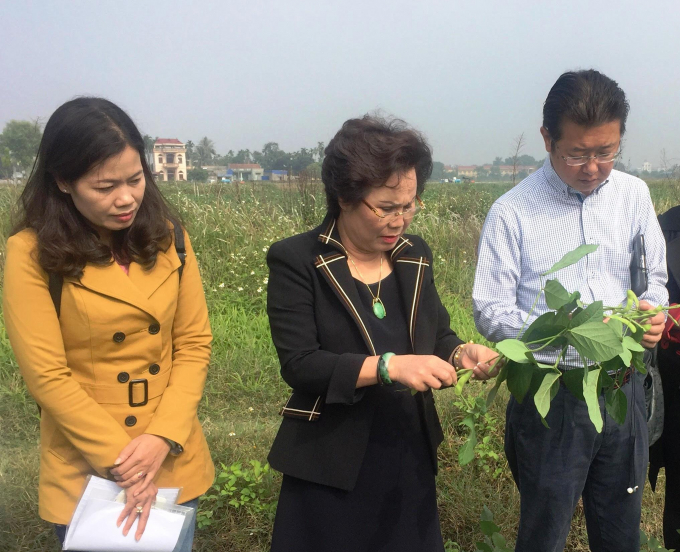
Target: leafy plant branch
607,340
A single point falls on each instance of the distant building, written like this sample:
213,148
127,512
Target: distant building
275,175
246,171
467,170
507,170
647,166
169,159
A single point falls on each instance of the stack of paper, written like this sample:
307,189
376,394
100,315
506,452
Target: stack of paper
93,526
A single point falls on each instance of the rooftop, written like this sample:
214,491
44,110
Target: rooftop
169,141
244,166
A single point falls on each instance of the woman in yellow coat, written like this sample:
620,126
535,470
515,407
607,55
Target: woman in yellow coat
118,362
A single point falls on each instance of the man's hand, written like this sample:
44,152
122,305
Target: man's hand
657,322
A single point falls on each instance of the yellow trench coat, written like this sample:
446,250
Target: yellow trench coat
80,368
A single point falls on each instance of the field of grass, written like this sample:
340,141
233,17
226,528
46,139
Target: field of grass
231,229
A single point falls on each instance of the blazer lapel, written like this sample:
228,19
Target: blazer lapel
110,280
149,281
410,273
135,288
333,266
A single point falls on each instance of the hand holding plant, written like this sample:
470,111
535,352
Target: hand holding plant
610,341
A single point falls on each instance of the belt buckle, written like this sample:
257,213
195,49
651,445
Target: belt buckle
131,385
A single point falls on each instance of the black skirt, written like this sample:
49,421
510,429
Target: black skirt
393,506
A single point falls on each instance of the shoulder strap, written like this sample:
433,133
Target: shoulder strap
56,283
179,247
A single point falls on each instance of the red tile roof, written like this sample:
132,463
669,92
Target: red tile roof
169,141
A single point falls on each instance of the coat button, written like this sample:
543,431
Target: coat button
130,421
119,337
154,369
154,329
123,377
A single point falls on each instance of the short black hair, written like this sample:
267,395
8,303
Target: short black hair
587,98
365,153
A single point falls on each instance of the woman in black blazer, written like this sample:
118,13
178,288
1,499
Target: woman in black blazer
666,451
357,324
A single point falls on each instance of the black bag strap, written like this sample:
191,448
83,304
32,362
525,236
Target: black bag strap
179,247
56,284
56,281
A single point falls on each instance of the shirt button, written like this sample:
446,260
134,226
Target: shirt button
123,377
154,329
130,421
154,369
119,337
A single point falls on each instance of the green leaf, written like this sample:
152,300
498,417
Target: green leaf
616,326
486,514
591,312
483,547
616,404
546,319
643,537
514,349
606,381
545,326
572,257
573,381
573,303
638,362
591,397
632,345
519,379
543,395
500,378
555,294
595,341
626,357
466,453
488,527
498,540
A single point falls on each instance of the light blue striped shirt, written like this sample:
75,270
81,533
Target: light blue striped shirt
541,219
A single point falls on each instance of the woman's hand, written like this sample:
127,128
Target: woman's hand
481,360
421,372
137,505
139,461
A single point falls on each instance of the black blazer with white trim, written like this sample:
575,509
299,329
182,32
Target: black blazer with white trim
322,343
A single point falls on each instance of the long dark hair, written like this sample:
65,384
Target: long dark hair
365,153
80,135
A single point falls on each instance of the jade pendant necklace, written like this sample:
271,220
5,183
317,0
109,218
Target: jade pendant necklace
378,307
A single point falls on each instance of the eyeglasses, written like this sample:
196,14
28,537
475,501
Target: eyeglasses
393,213
583,159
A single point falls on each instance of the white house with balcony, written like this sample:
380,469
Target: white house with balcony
169,159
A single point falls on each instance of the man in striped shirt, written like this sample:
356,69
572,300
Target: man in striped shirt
575,198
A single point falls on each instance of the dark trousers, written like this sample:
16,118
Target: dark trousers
669,366
555,467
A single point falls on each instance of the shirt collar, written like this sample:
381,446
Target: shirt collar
562,187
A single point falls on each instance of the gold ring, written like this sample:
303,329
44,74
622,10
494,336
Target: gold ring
140,474
140,509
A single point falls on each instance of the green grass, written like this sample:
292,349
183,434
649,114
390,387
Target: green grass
231,229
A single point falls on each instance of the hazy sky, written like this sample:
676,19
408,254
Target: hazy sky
471,75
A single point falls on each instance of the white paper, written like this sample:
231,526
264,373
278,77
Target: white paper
93,527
